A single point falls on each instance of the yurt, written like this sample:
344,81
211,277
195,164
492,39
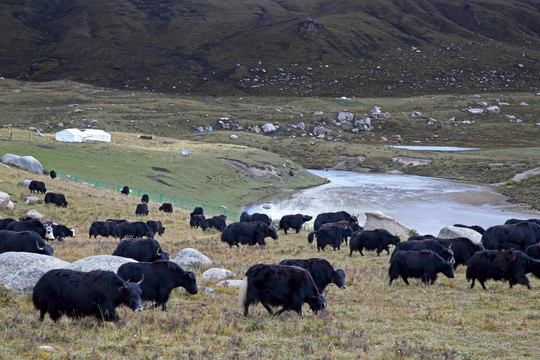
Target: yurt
97,135
70,135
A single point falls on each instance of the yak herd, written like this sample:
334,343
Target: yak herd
506,252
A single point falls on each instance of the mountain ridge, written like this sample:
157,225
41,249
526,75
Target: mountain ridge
306,48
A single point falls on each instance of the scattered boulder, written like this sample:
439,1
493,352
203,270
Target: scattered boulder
268,128
378,220
475,110
99,262
345,116
190,258
29,163
233,137
217,273
5,202
230,283
450,232
20,271
26,183
493,109
32,199
35,214
301,126
256,129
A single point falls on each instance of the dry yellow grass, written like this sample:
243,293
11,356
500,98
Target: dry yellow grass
369,320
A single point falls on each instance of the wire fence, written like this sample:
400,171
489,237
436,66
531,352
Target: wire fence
175,201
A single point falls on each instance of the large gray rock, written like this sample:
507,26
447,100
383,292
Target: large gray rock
26,183
20,271
32,199
5,202
29,163
450,232
35,214
378,220
268,127
217,273
190,258
99,262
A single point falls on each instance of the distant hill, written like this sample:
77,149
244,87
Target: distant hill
275,47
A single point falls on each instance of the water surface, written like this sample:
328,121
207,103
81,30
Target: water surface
422,203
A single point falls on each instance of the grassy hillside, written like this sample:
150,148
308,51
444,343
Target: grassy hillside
216,174
284,48
509,138
367,320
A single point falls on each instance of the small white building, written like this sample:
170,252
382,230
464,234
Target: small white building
70,135
97,135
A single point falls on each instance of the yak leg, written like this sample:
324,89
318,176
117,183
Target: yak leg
405,279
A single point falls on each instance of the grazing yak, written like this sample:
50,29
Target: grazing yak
347,224
463,249
428,244
24,241
37,186
60,232
293,222
145,199
533,251
196,220
424,264
56,199
330,235
249,233
5,222
135,229
156,226
377,239
329,217
280,285
125,190
160,278
197,211
103,228
517,236
216,222
245,217
45,231
166,208
77,294
141,250
320,270
52,174
141,209
505,265
515,221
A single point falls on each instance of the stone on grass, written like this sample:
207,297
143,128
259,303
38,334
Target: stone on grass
230,283
29,163
100,262
34,213
20,271
217,273
190,258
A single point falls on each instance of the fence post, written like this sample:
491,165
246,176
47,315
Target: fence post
97,183
181,203
160,196
76,179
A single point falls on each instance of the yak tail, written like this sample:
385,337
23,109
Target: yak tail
242,294
311,236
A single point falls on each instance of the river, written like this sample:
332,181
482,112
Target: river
422,203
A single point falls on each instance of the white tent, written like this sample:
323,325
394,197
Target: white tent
70,135
97,135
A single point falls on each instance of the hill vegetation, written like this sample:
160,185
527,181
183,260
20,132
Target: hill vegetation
367,320
284,48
